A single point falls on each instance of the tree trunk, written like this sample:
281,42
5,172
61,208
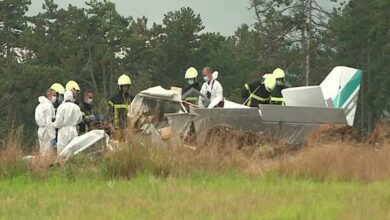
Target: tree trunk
362,108
104,81
8,40
92,73
364,91
303,39
308,42
369,83
111,79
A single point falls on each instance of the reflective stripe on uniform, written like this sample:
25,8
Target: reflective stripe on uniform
277,99
193,100
258,98
254,96
121,106
116,111
247,87
249,91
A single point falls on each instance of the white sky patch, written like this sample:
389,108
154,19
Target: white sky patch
223,16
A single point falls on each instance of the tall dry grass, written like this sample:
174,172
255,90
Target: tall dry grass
141,156
322,158
11,152
340,161
11,156
338,153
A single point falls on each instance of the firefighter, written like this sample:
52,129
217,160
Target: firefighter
60,90
75,88
276,95
86,108
259,91
120,103
191,78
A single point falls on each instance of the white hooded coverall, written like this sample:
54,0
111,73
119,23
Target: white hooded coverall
67,118
44,115
216,91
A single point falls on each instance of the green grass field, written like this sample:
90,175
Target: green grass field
138,181
203,196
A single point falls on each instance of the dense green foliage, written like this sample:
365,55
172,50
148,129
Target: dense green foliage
94,45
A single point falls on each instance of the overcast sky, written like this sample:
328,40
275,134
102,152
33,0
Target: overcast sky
222,16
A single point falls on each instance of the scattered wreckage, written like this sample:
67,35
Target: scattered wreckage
163,114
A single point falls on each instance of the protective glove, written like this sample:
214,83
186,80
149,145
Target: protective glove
205,103
101,117
90,118
53,143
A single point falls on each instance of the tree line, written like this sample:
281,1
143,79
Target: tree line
95,44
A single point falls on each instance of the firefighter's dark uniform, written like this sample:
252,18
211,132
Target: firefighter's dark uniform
256,93
276,95
86,110
191,98
119,104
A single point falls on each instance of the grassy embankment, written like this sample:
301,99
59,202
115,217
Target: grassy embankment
321,181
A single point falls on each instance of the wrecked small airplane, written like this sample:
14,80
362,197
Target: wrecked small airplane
161,112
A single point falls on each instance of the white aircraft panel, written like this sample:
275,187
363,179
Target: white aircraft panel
310,96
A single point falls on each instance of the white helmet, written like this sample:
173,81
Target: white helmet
124,80
72,85
269,82
191,73
58,88
279,73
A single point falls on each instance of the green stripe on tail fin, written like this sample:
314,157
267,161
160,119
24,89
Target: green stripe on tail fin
347,91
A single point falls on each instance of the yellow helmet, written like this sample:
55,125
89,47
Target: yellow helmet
124,80
269,82
58,88
72,85
279,73
191,73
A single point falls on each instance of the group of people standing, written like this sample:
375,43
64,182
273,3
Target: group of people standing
57,116
61,117
263,90
211,91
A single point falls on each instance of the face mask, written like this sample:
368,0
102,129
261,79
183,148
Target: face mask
60,99
206,79
191,82
88,101
53,99
279,82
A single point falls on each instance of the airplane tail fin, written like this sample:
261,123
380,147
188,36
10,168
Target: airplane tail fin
341,90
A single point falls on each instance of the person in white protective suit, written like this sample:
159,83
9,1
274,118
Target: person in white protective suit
212,89
44,116
68,117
